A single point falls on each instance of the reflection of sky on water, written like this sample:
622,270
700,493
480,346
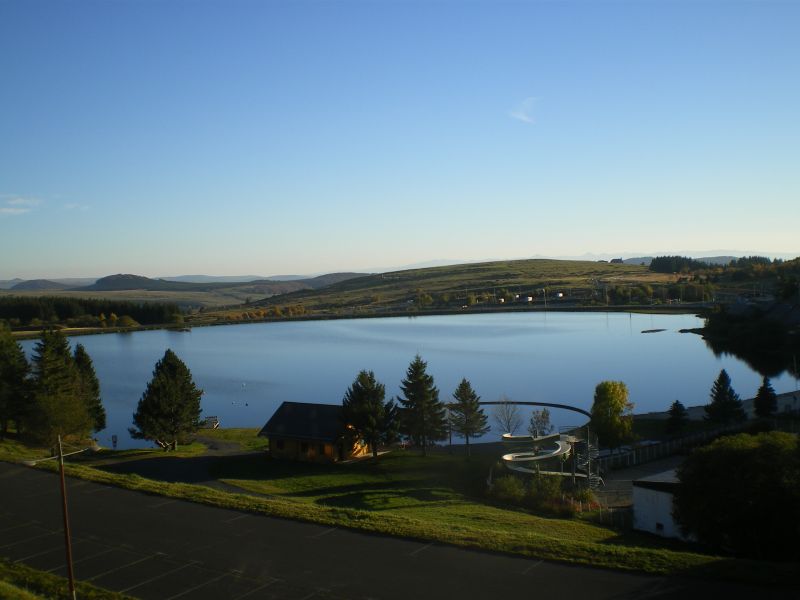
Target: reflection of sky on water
552,357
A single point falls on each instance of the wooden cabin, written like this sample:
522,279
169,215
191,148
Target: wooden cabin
308,431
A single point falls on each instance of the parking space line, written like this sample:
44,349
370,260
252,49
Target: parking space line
36,537
320,534
84,559
170,572
100,488
59,548
531,567
25,524
197,587
160,504
258,589
48,492
418,550
130,564
236,518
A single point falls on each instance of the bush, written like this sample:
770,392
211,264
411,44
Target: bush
508,488
542,490
741,494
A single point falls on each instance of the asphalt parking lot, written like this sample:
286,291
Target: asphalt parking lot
153,547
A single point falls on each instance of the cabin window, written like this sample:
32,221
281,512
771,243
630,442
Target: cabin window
304,448
279,444
321,449
659,527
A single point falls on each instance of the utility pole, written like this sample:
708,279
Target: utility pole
67,542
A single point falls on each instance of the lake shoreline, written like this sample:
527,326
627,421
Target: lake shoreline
674,309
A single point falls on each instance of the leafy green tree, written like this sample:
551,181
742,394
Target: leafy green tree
169,409
365,415
766,401
741,494
90,387
506,415
612,414
58,406
725,406
422,414
678,417
14,384
539,424
466,416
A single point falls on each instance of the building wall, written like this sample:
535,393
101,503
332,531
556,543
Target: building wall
310,450
652,512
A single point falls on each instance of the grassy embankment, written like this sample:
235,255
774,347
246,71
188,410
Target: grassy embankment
20,582
438,498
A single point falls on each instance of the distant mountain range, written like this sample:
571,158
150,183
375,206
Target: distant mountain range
122,282
39,285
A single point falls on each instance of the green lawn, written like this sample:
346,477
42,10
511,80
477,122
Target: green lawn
246,438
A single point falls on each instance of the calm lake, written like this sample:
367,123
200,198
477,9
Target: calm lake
246,371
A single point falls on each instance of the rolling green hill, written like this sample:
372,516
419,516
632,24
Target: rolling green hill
490,284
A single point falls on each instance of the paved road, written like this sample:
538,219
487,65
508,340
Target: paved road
155,547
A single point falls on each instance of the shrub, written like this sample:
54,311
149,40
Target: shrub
508,488
543,489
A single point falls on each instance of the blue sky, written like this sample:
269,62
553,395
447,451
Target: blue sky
237,137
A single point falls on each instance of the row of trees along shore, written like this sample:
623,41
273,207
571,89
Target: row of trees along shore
19,311
421,417
417,413
58,394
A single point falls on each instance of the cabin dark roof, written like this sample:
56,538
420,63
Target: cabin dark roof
305,420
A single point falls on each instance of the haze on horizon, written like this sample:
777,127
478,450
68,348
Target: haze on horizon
294,138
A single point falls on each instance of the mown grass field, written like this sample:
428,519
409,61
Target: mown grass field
435,498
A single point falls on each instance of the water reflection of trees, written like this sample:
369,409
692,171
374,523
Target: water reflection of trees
770,358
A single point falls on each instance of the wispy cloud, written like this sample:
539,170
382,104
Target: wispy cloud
76,206
524,111
11,210
17,205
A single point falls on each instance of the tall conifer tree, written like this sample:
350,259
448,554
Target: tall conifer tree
766,401
466,415
58,407
170,406
422,414
725,406
14,384
90,388
365,413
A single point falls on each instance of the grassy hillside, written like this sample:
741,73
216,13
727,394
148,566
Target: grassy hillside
468,285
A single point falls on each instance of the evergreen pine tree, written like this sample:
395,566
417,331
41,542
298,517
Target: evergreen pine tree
725,406
14,384
90,388
422,414
58,407
466,416
169,409
766,401
678,417
365,415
